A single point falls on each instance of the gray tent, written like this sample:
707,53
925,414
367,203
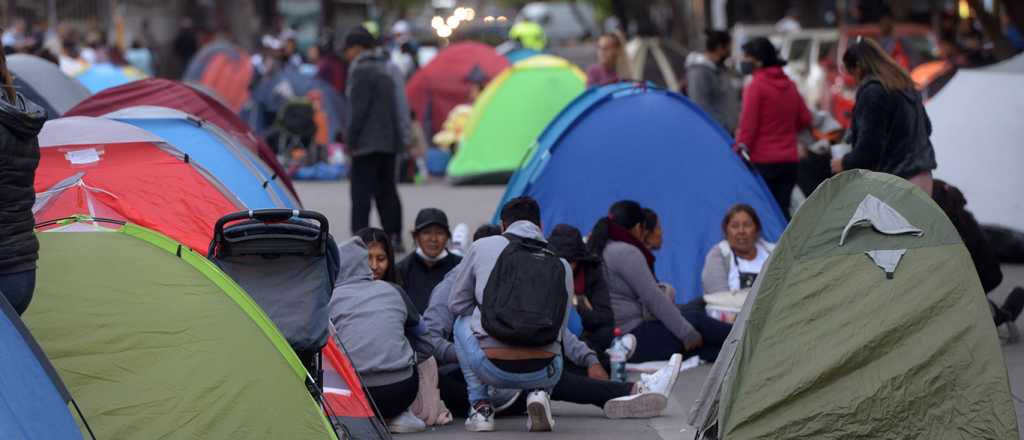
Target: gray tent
868,321
43,83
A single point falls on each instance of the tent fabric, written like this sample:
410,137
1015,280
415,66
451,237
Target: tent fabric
175,349
33,399
172,94
507,117
976,135
102,76
516,55
601,141
346,401
271,94
224,68
1012,65
658,62
146,182
43,83
828,346
436,89
245,175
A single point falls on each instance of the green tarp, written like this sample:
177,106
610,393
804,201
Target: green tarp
509,115
830,347
156,343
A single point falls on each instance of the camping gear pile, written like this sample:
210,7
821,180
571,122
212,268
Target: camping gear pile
167,230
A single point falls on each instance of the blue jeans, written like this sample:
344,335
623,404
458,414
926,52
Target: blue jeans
480,373
18,288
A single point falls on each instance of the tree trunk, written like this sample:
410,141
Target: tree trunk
1002,48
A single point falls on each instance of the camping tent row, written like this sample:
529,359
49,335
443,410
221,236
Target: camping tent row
165,200
624,141
225,71
43,83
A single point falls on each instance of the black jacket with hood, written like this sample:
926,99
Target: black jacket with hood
19,156
890,132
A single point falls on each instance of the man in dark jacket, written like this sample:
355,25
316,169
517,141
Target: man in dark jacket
20,123
591,300
422,270
375,135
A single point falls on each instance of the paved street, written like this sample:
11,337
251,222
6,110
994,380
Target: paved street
474,206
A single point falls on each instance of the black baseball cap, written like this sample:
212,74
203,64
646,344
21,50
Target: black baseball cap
360,37
431,216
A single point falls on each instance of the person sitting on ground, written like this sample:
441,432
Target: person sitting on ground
511,303
652,230
381,254
591,300
618,239
381,331
986,263
734,263
584,381
421,270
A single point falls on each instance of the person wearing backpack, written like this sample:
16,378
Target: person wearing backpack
511,306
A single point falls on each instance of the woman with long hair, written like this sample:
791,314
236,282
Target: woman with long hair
890,129
381,254
20,122
613,62
639,304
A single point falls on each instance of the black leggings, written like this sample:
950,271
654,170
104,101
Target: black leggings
781,178
373,178
393,399
656,343
18,288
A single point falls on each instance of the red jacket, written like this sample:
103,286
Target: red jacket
773,113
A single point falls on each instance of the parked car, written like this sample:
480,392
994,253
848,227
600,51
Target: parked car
804,51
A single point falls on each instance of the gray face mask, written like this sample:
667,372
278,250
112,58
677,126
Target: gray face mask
746,67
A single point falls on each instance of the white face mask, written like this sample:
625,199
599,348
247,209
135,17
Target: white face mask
439,257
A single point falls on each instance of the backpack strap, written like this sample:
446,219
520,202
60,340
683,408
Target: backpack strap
529,243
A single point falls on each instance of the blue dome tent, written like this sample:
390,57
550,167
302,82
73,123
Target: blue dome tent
625,141
234,166
33,399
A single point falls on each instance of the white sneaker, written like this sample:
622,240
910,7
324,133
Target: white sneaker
629,341
538,410
636,406
406,422
480,420
502,399
664,379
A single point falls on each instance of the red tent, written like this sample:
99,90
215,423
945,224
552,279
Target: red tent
440,85
344,398
172,94
109,169
226,69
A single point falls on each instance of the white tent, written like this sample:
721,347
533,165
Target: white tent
978,135
1012,65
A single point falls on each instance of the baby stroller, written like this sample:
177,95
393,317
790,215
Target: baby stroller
287,261
288,265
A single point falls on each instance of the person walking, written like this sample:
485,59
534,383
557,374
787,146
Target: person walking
710,84
20,123
772,115
375,136
890,130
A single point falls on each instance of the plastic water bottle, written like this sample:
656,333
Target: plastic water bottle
617,357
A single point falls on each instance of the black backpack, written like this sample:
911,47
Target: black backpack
525,297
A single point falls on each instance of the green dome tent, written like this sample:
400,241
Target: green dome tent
155,342
509,115
867,321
